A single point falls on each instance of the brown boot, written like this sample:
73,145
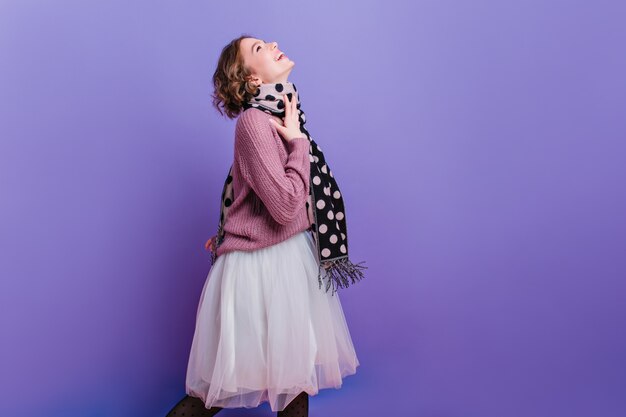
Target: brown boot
192,407
298,407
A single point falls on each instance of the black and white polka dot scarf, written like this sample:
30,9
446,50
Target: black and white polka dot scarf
324,205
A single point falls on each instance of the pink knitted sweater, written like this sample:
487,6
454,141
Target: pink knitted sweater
268,168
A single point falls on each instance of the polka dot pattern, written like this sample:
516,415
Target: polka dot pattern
324,204
192,407
298,407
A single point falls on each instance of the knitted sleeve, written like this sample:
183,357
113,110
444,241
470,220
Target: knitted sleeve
283,189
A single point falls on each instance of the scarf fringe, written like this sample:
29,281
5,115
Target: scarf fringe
340,273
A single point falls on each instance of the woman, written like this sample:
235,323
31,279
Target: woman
266,329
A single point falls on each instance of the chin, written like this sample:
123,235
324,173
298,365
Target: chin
288,70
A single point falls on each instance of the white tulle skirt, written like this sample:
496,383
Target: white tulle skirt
265,331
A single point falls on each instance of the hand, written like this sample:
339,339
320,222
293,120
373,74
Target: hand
210,244
290,129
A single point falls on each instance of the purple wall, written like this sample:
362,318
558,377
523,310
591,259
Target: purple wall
479,146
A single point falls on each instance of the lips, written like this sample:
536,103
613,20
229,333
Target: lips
280,56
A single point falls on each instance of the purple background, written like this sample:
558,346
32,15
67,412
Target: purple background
479,146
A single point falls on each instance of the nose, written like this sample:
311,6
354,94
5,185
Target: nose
275,44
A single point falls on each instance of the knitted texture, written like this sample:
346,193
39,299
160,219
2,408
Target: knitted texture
270,185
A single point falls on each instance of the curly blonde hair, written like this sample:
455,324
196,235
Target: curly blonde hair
231,86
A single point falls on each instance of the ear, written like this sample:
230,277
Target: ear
253,80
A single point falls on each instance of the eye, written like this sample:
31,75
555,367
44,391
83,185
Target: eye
258,47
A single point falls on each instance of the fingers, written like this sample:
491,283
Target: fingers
209,245
291,110
290,122
296,116
277,125
287,106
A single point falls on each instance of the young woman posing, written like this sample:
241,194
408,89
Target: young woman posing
267,330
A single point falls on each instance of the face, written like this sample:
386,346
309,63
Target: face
261,59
